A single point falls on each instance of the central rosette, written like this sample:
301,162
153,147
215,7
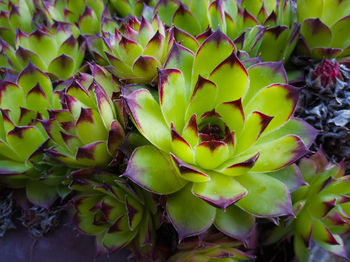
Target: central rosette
225,129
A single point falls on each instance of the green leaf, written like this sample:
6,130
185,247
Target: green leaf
340,33
221,191
185,20
211,154
31,76
309,8
274,43
234,222
217,43
43,44
181,58
267,197
254,126
334,10
232,114
148,118
290,176
62,66
89,22
277,101
189,215
216,16
11,97
301,252
202,99
180,147
262,75
25,140
294,126
94,154
40,193
186,40
90,127
172,96
231,79
316,33
153,170
146,67
166,10
340,250
278,153
155,47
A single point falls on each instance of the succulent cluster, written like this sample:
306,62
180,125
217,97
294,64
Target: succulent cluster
174,120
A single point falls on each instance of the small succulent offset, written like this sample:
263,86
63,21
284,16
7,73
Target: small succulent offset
90,127
218,131
324,28
112,210
23,105
263,28
56,51
135,51
318,207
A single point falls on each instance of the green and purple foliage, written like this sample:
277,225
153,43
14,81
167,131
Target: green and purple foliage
211,141
264,28
218,131
320,207
112,210
211,246
89,128
90,16
135,51
24,105
18,15
54,50
324,28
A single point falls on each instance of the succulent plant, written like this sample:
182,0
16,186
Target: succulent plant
135,51
218,131
22,138
318,207
115,212
56,51
18,14
263,28
90,15
211,247
324,28
86,132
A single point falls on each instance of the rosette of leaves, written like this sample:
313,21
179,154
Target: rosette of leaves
325,105
115,212
264,28
18,14
218,131
22,105
324,28
135,51
90,15
211,247
56,51
318,207
89,128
